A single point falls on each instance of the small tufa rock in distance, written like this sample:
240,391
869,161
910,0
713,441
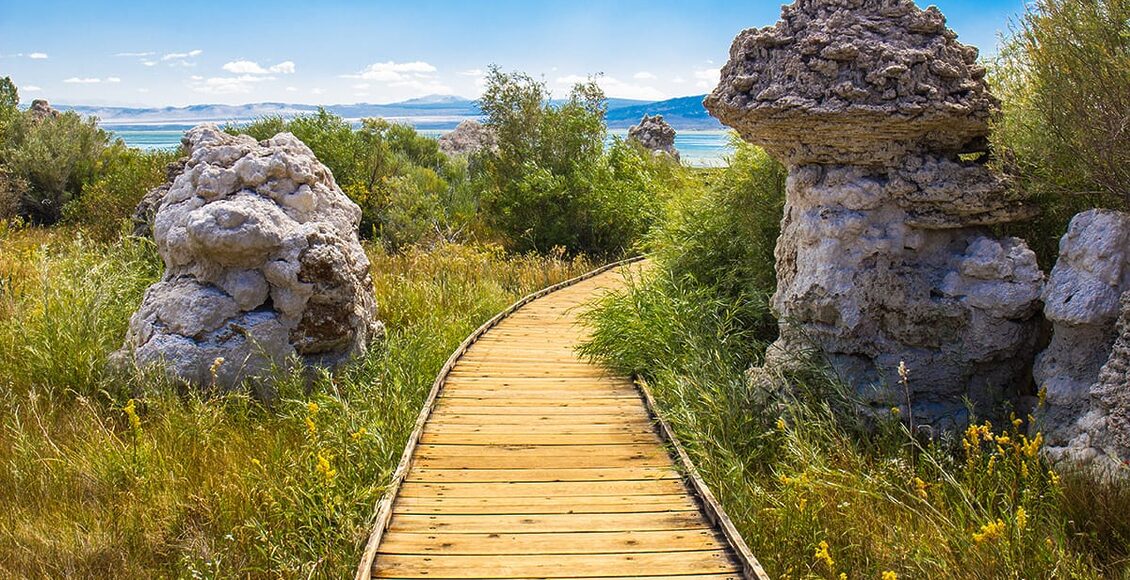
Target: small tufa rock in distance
468,138
655,135
263,266
883,255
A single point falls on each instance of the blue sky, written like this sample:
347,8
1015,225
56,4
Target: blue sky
161,53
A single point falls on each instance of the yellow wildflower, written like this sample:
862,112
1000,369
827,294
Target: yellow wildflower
1032,447
131,413
1043,394
780,424
358,434
256,463
311,428
822,555
1021,519
920,488
1053,476
325,469
889,575
312,407
989,532
843,575
895,412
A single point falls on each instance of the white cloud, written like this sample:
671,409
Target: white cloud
361,86
31,89
392,72
285,67
196,78
82,81
135,54
244,67
113,80
644,76
227,85
292,89
241,67
707,77
149,62
614,87
182,55
143,90
37,55
472,72
678,80
317,91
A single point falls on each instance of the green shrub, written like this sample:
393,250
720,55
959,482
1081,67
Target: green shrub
1062,77
551,183
125,175
55,157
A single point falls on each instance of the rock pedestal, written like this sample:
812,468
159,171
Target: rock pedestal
263,267
883,256
1084,374
655,135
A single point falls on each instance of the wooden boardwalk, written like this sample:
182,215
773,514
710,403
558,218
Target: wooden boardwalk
529,462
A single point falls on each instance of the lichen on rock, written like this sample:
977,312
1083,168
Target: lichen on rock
655,135
263,266
881,117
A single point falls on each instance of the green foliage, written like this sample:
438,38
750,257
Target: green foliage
1064,78
112,476
124,176
53,157
551,183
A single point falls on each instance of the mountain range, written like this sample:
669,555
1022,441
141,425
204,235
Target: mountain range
430,112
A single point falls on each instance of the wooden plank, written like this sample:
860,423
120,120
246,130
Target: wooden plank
566,420
538,489
556,439
540,428
445,408
552,566
426,475
552,543
517,524
576,504
543,460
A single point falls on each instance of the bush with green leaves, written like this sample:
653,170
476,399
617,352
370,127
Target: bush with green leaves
551,182
47,159
1063,76
125,174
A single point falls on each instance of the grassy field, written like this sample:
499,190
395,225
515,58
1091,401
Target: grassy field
103,475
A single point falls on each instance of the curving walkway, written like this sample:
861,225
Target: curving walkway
529,462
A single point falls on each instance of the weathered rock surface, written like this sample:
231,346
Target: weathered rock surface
1085,371
263,266
469,137
655,135
883,256
40,109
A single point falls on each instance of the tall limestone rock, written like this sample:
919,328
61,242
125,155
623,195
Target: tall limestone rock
884,254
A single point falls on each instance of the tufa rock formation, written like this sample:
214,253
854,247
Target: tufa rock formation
40,109
469,137
883,256
655,135
262,265
1084,373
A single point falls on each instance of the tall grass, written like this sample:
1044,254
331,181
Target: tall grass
107,476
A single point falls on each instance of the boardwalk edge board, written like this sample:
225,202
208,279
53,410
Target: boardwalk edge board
751,568
384,506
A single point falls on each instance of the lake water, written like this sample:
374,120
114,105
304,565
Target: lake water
697,148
